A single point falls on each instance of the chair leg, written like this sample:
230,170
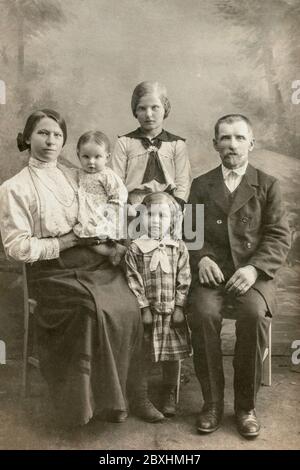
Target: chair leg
178,382
267,361
25,352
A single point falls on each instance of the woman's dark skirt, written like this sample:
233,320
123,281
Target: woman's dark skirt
89,333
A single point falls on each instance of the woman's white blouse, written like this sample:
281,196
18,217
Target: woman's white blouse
37,206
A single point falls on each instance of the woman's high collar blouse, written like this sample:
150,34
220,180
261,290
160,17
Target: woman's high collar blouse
37,206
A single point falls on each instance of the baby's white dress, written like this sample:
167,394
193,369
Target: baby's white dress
101,198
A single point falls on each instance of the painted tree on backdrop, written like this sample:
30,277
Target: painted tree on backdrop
29,18
20,22
269,36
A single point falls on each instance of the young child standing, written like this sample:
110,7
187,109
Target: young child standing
158,273
102,196
151,159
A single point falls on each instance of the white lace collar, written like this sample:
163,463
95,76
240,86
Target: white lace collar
35,163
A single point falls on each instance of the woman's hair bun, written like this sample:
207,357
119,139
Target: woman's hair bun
21,144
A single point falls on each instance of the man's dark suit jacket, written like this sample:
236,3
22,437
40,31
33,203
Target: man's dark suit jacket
255,226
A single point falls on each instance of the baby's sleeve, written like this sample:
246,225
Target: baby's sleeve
116,190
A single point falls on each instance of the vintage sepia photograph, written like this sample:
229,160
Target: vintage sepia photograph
150,226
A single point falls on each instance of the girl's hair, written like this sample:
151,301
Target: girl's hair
146,88
32,121
161,198
94,136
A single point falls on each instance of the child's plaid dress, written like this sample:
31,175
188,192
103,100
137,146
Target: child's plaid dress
158,273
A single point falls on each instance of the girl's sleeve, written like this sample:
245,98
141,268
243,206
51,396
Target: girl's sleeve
183,279
134,278
182,171
17,228
118,161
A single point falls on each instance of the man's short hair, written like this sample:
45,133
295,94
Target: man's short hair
229,119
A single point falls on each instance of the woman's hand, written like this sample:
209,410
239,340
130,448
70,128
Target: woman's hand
67,241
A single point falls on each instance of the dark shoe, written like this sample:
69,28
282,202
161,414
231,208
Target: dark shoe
247,423
117,416
147,411
210,417
113,416
169,403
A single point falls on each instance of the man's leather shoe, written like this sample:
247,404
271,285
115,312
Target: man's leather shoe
247,423
210,417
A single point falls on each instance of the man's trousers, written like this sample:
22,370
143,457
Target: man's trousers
206,310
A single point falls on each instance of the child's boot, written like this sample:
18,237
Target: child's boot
141,405
170,375
169,402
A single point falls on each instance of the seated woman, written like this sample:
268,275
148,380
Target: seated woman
88,340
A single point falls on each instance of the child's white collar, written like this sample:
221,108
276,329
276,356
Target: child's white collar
147,244
158,247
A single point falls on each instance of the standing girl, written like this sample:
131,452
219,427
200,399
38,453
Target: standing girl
151,159
158,273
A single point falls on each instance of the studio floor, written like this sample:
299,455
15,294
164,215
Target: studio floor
29,423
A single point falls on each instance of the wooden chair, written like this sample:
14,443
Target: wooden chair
178,381
267,357
267,361
28,358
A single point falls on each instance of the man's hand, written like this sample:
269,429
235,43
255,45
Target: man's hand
209,272
241,281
